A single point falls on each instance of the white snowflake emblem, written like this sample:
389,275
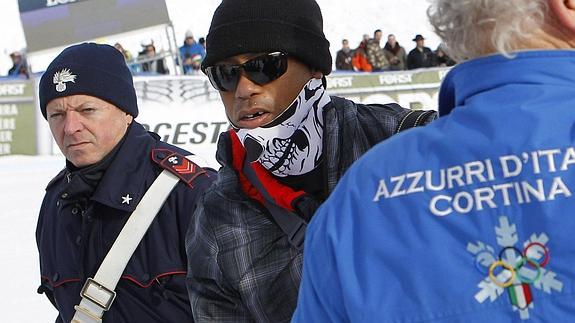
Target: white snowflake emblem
60,79
513,269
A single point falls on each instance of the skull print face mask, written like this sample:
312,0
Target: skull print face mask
292,143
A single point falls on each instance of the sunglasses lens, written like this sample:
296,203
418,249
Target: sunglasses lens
223,77
264,69
260,70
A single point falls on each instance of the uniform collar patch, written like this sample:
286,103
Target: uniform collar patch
178,165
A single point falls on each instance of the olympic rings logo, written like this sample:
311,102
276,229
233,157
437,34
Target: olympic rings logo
515,271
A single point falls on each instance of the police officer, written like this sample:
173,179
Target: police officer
88,98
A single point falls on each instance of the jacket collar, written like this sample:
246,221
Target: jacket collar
81,183
550,67
125,181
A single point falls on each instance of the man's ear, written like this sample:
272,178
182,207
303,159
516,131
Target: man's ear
564,11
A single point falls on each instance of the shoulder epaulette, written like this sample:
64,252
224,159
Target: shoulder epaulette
56,178
177,164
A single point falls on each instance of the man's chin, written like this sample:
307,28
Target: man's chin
81,159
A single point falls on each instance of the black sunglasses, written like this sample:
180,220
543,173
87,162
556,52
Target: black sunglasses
260,70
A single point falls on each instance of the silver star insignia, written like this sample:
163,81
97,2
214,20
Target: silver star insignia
126,199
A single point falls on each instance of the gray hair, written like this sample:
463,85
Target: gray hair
473,28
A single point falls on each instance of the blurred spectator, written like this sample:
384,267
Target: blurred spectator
344,57
375,54
134,67
365,38
202,42
420,56
150,64
192,53
127,55
394,54
441,57
359,60
19,66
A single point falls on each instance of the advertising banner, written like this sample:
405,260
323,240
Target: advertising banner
416,89
17,118
184,110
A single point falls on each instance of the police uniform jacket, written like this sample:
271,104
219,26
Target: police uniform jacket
79,222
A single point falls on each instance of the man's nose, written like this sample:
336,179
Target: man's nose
245,88
73,122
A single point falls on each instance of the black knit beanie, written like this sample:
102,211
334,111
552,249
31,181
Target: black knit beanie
294,27
90,69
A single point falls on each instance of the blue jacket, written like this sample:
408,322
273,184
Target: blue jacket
189,51
192,50
74,234
471,220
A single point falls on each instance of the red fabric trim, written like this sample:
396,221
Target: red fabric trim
283,195
60,283
238,156
128,277
151,281
186,170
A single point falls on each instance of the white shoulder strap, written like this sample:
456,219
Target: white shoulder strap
98,292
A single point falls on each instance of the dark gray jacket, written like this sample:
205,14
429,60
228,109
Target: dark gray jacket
241,266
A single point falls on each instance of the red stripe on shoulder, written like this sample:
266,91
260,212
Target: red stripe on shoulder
178,165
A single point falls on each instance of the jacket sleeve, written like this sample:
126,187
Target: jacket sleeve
381,119
386,119
212,298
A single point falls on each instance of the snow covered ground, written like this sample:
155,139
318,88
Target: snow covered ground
22,182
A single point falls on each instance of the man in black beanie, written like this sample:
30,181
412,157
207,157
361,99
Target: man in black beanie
289,144
87,96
